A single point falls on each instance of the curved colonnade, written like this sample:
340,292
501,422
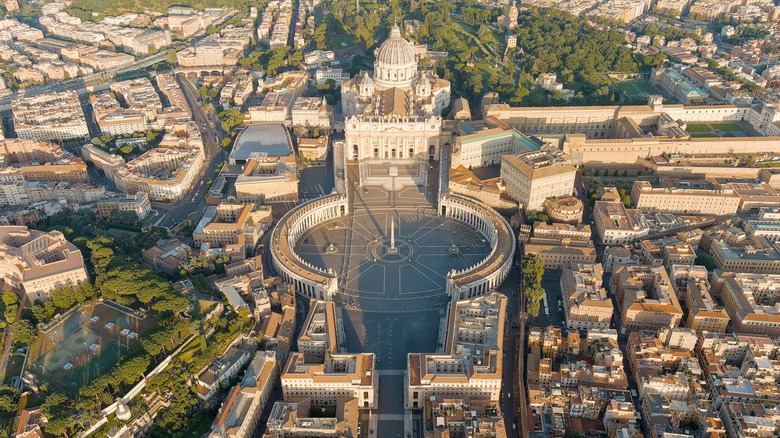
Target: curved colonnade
308,279
314,282
488,274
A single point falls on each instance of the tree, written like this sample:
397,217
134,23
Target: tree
24,332
63,298
9,400
10,298
626,200
533,271
705,260
231,118
55,403
171,304
172,57
535,216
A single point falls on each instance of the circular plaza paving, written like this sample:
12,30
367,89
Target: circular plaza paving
373,277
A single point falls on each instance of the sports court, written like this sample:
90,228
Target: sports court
87,342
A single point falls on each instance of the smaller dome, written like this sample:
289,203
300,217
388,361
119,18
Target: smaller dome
366,80
424,80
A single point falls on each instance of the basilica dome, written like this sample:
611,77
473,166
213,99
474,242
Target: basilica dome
395,64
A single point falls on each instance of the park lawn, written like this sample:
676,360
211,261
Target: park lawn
703,135
339,42
726,126
698,127
628,88
189,351
14,368
646,87
201,284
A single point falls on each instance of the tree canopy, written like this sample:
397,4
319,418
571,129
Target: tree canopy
533,271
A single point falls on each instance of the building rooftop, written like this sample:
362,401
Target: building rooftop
271,139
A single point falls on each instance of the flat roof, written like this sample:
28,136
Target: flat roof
271,139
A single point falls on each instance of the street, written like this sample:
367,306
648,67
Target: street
194,202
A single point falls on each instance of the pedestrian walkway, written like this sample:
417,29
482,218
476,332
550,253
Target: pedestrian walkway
390,372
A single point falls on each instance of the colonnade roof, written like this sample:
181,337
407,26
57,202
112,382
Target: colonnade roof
504,244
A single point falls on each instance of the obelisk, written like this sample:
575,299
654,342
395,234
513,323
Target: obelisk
392,249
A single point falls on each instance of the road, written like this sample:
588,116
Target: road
511,331
82,82
101,76
194,203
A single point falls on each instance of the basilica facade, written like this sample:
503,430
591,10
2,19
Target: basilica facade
395,112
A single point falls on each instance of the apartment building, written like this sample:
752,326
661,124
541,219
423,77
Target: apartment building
679,254
704,314
138,204
485,147
240,412
685,196
23,151
275,107
557,255
321,332
105,162
208,54
169,86
167,257
49,116
138,95
67,171
311,112
169,171
39,262
756,255
232,224
466,418
292,419
325,383
766,225
219,372
585,301
616,225
471,365
314,149
533,177
750,420
562,232
751,300
646,297
113,119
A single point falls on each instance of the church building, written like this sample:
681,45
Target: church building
394,113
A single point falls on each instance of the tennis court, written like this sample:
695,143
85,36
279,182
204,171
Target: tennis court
88,342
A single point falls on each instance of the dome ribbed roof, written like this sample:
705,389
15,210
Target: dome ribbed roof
396,50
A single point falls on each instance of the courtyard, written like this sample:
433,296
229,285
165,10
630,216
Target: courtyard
714,129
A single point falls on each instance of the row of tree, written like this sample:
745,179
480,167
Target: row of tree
533,271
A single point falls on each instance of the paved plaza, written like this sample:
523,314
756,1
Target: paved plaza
373,278
392,254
